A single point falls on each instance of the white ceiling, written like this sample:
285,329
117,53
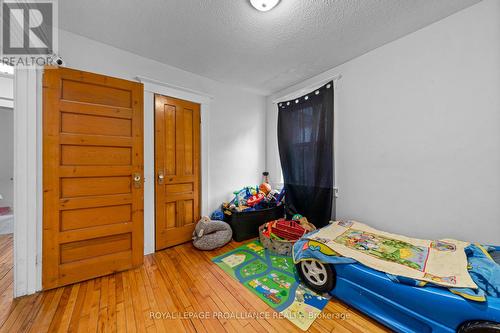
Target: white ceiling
231,42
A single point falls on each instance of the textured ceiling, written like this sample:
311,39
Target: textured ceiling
231,42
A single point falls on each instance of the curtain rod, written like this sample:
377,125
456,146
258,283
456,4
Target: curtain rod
306,90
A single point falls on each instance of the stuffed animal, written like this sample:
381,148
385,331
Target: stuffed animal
305,224
209,235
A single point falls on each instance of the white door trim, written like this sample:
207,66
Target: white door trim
152,87
163,88
27,181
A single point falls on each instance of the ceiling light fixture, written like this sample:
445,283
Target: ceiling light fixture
264,5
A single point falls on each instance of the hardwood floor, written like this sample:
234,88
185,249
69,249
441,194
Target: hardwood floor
173,282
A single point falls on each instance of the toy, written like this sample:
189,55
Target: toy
251,199
242,208
255,199
241,197
278,237
217,215
288,230
253,190
305,224
281,196
266,230
265,188
272,197
209,235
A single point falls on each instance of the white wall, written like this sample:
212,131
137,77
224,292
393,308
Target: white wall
419,130
236,134
6,155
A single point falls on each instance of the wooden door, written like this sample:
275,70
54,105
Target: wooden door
92,176
177,162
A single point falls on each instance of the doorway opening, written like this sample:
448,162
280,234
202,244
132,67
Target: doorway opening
6,180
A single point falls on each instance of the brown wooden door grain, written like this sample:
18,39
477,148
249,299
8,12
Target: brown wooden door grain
92,176
177,162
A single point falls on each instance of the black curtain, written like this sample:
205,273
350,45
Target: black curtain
305,140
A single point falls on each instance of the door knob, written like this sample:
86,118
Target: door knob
137,180
161,177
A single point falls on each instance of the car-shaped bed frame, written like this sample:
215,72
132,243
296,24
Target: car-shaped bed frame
401,307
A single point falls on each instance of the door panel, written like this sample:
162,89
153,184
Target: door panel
177,162
90,186
96,125
86,249
92,150
96,216
89,92
95,155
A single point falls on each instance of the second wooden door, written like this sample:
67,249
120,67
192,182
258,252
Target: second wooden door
177,163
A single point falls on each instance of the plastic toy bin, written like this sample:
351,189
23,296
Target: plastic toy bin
246,225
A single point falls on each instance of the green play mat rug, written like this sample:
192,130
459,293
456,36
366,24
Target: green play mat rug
274,279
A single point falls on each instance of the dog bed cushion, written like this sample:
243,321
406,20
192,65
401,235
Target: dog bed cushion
209,235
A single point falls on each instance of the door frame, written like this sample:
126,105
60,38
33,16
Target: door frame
152,87
27,181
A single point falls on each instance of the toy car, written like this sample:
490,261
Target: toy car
401,307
